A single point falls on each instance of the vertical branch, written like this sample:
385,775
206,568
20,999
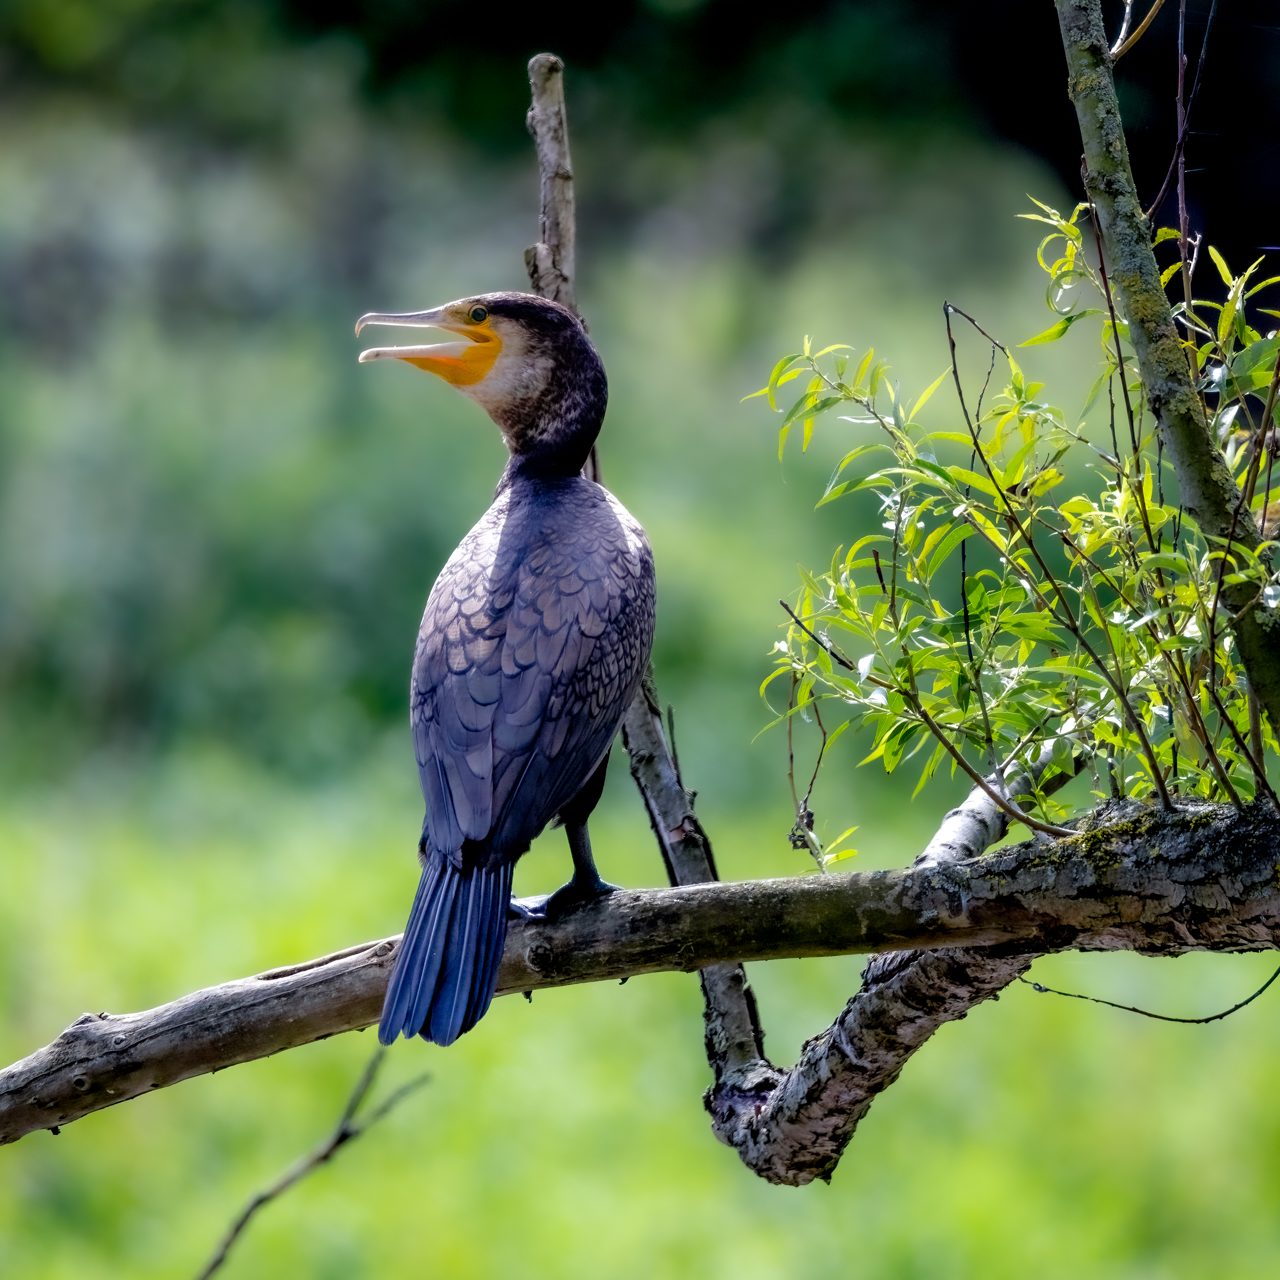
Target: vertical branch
550,262
734,1038
1208,490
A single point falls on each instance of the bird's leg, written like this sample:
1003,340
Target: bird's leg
586,884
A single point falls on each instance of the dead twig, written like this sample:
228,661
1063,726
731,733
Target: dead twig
346,1130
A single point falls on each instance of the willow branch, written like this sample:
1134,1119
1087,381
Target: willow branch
1207,488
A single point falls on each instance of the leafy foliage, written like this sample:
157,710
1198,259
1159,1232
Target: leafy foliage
1034,601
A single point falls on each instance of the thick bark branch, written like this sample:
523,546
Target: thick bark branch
1203,878
791,1127
1208,491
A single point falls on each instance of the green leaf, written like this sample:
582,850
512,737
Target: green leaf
1032,626
1263,284
962,475
775,379
808,407
1056,331
1252,368
927,394
948,544
953,437
841,838
1220,263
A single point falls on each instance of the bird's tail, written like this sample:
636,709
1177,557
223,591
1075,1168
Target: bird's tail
447,966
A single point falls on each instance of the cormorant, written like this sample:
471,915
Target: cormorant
534,639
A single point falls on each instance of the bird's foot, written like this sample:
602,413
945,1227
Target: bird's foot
577,893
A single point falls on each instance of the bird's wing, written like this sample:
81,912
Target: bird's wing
522,677
454,695
588,627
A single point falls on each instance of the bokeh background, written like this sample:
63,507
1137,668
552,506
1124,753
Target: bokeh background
216,532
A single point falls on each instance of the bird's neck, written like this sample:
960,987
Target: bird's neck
551,437
542,468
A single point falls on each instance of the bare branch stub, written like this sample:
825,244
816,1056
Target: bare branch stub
550,261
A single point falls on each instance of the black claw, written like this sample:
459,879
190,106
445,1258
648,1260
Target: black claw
517,910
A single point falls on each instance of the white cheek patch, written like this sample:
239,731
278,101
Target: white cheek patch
515,381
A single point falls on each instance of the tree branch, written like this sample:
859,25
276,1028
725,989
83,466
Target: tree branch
733,1035
550,262
791,1127
1202,878
1208,491
346,1130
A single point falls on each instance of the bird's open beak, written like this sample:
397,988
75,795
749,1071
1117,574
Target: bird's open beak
461,363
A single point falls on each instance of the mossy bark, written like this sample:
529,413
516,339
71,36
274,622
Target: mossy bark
1207,489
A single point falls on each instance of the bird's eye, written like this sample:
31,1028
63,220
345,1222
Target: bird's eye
478,314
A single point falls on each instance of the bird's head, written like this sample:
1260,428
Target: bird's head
527,361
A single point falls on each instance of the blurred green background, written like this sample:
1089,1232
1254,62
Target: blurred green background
216,533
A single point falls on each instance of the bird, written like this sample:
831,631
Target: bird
535,638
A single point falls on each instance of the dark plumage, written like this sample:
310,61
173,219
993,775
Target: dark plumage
533,641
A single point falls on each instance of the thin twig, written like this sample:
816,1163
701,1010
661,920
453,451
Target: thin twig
1063,611
1146,1013
344,1132
1123,33
975,668
1184,115
821,641
1124,43
1180,164
1115,333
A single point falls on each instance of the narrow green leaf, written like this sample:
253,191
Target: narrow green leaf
1220,263
948,544
962,475
1054,331
927,394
